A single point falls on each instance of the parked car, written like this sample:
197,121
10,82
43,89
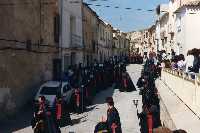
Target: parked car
51,88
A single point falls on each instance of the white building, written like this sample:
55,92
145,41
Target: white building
71,37
177,26
135,41
187,27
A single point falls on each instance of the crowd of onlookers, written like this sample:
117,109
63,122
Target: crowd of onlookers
188,64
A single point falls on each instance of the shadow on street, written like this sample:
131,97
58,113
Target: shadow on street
20,121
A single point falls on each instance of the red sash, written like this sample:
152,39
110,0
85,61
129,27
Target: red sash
150,123
41,106
58,111
77,93
86,92
114,126
125,83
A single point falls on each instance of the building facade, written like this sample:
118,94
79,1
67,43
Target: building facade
135,42
90,34
116,43
101,41
187,27
71,39
109,40
28,50
175,24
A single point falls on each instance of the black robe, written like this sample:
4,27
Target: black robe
113,118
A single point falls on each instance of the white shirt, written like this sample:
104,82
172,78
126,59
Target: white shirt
189,61
181,65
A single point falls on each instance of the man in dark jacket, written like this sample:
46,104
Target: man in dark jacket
113,119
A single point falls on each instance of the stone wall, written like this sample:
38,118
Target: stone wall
165,116
175,113
21,74
22,70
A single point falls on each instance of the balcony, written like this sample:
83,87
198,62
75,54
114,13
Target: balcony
75,41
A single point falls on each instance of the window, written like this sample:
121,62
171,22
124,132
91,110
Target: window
49,90
179,24
66,88
73,24
66,61
56,28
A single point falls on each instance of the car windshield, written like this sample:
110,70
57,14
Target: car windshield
49,90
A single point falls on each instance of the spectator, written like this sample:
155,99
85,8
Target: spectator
164,55
189,61
181,62
174,64
173,54
196,64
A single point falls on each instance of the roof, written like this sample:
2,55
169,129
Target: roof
90,9
192,3
189,4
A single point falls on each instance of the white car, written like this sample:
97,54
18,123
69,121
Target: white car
51,88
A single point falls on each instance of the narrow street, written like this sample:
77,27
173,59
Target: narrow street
85,123
83,59
123,102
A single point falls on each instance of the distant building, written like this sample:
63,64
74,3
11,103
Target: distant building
177,26
135,42
187,27
90,34
152,47
116,43
109,40
101,41
72,31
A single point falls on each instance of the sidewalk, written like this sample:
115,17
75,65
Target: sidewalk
181,115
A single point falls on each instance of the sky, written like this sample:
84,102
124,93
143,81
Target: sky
123,19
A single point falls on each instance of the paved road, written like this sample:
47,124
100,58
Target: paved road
123,102
85,123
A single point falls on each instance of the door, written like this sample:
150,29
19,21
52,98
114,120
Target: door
57,69
73,58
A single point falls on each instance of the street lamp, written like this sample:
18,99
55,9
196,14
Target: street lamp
135,101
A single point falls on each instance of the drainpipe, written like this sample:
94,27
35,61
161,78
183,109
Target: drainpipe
61,39
82,38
